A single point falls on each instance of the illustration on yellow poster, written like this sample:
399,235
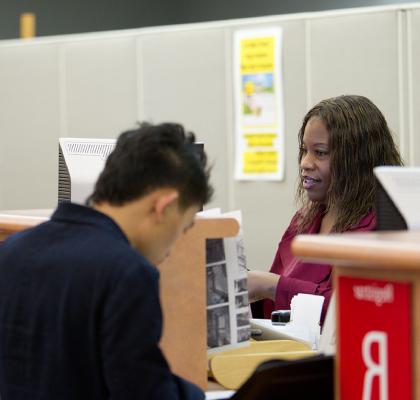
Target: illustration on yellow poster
259,115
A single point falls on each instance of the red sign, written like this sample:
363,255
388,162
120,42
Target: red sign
374,317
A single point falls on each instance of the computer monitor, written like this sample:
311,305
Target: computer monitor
80,163
397,198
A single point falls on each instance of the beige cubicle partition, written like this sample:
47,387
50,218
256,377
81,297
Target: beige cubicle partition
183,292
385,256
96,85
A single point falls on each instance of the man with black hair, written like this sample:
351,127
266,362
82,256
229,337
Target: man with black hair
80,316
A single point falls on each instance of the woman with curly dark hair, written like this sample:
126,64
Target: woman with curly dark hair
340,142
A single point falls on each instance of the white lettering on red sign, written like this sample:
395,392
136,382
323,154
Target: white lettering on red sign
376,294
374,369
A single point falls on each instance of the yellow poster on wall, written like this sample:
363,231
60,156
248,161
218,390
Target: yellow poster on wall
259,115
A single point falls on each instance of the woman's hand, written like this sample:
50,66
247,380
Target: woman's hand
262,285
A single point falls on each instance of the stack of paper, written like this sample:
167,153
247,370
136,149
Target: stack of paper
305,314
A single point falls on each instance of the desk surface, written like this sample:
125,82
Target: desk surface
378,250
39,212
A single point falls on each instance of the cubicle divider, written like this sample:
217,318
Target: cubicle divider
99,84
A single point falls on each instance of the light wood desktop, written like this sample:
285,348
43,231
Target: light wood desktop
393,256
12,221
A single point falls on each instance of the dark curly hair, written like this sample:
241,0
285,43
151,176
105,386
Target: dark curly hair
359,141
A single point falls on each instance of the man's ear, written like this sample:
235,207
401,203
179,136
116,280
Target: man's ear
164,201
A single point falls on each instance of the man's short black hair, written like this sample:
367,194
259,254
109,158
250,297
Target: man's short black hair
152,157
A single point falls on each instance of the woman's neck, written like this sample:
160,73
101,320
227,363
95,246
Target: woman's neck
328,221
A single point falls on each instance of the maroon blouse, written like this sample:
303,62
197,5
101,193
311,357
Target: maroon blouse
303,277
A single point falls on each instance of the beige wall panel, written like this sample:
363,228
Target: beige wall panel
357,54
184,80
29,126
269,206
100,87
415,68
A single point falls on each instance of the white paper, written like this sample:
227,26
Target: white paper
228,318
305,310
277,332
219,394
305,314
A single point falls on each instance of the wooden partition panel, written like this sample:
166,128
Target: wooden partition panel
184,299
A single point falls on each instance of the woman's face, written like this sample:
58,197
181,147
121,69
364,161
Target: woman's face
315,161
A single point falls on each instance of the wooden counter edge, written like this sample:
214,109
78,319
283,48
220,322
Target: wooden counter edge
385,251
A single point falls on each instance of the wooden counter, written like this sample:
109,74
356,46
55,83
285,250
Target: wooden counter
387,264
384,251
12,221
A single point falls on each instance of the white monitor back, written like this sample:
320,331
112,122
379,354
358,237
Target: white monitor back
402,185
80,163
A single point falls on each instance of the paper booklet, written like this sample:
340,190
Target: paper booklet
228,317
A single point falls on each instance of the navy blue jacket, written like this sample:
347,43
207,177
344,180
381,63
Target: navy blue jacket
80,316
